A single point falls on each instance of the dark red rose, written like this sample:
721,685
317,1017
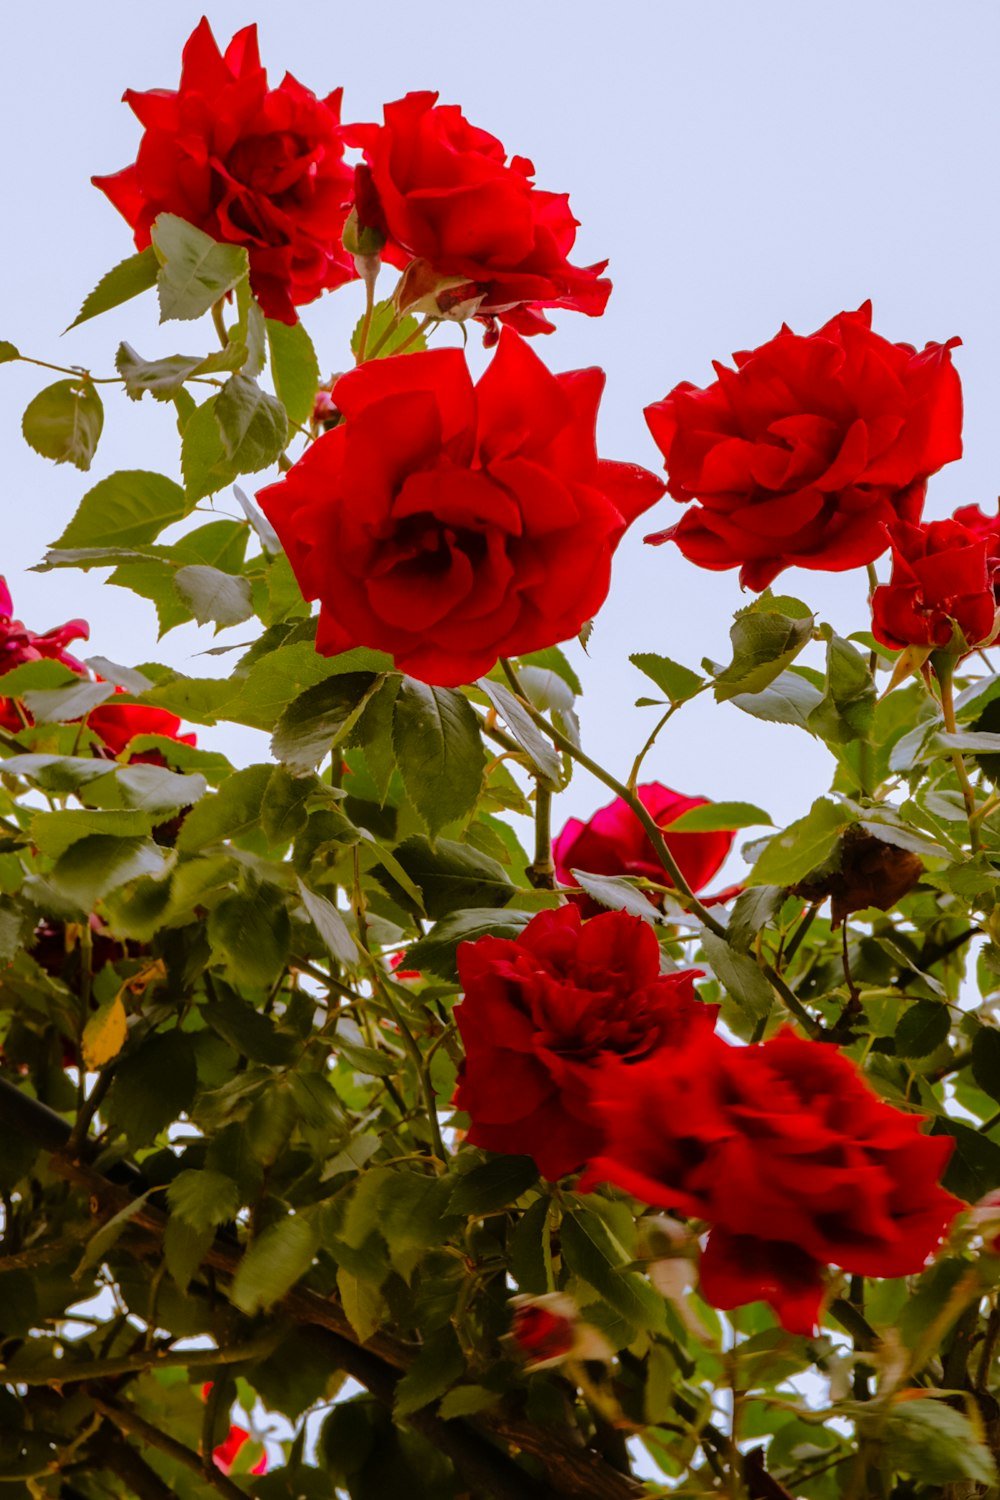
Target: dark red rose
987,528
614,842
789,1156
443,191
450,524
548,1330
801,454
246,164
940,593
543,1011
118,724
226,1453
18,645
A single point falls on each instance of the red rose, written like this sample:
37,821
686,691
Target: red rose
248,165
540,1014
18,645
614,842
941,583
118,724
449,524
800,455
226,1453
789,1156
988,529
548,1330
443,191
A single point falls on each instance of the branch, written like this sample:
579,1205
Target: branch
128,1421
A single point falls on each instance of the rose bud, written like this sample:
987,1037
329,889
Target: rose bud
548,1330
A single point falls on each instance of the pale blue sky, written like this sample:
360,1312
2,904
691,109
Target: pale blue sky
740,163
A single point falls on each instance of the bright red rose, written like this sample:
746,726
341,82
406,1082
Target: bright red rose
450,524
443,191
789,1156
987,528
18,645
801,454
118,724
543,1011
246,164
226,1453
614,842
941,583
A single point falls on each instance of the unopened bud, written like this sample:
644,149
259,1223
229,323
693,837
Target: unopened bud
422,289
325,412
548,1330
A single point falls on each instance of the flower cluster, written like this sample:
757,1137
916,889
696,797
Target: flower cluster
581,1053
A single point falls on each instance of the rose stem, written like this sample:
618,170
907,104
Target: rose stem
944,669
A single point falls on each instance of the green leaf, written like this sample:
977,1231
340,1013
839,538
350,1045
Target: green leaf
248,1031
934,1442
362,1302
922,1029
65,705
124,281
792,855
56,773
129,508
436,951
739,975
719,816
847,709
986,1060
195,270
54,832
752,910
100,863
318,719
294,368
552,659
233,810
764,644
381,324
152,1086
439,751
274,1263
789,699
283,812
974,1167
466,1401
8,352
184,1249
213,595
162,378
492,1186
676,682
64,422
438,1365
543,758
204,463
147,789
531,1250
453,876
253,425
330,925
109,1233
592,1252
413,1217
617,894
251,930
373,733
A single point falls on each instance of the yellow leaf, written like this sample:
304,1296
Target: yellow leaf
104,1034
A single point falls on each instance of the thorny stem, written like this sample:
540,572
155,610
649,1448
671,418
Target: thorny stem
663,854
944,676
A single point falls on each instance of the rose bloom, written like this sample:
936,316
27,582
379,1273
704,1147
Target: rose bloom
18,645
450,524
803,452
941,591
988,529
614,842
246,164
540,1013
118,724
789,1156
443,191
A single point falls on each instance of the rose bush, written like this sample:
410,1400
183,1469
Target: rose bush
300,1058
442,191
803,453
249,165
449,524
